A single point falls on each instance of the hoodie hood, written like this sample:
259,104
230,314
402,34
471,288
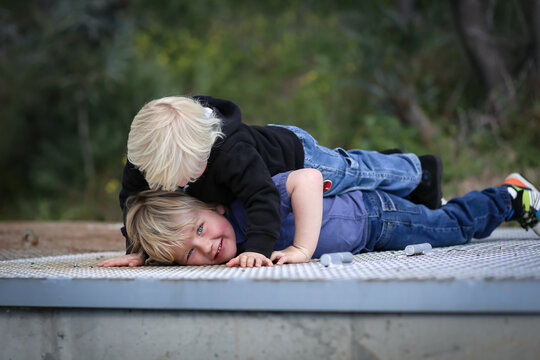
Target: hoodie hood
226,110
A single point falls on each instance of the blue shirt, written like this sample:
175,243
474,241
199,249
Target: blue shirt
344,222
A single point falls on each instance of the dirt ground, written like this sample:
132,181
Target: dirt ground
31,239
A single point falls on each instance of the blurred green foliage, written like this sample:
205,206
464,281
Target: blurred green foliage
74,73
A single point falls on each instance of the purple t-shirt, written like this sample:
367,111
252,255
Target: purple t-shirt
344,222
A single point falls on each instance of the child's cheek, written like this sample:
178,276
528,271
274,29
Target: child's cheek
231,251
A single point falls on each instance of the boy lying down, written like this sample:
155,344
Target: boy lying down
174,227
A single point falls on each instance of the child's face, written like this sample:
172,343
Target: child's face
213,240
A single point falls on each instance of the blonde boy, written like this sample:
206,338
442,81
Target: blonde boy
174,227
170,141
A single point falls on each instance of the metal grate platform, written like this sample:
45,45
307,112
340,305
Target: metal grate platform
501,273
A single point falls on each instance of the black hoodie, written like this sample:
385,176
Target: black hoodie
240,167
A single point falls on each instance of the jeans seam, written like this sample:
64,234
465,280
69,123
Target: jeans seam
376,175
378,215
386,232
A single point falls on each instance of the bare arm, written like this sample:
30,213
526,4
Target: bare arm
305,186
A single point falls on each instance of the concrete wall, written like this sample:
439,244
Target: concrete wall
124,334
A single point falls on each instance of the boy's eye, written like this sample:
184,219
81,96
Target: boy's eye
200,230
189,253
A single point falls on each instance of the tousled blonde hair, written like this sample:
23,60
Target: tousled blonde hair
157,221
170,140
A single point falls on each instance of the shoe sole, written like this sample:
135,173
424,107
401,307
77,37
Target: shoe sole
518,180
438,164
429,196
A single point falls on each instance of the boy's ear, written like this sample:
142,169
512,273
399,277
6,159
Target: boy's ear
220,209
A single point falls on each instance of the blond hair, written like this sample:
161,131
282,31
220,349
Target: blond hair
158,221
170,140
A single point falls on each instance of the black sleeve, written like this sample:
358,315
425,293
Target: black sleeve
133,182
247,176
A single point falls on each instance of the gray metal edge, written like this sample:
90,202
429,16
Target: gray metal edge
478,296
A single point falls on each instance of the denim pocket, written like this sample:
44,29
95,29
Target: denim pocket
392,203
395,220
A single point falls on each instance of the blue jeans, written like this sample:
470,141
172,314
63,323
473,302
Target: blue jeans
394,223
349,170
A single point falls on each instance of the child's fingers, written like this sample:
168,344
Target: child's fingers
243,261
282,260
249,260
124,260
109,263
276,255
260,260
233,262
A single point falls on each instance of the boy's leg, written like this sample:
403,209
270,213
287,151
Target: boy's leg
395,223
349,170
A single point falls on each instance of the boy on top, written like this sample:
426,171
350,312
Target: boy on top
175,227
201,145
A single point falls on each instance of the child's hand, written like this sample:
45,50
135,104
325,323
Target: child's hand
124,260
289,255
250,259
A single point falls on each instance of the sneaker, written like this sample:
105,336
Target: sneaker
429,191
525,202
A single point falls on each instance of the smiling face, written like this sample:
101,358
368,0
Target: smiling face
212,242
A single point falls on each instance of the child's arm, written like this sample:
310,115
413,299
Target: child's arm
305,187
130,260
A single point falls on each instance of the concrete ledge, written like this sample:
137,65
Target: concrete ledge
152,334
461,296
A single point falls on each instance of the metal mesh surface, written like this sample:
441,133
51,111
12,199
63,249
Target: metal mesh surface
508,254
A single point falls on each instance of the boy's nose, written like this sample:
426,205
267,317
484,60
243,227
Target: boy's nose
205,246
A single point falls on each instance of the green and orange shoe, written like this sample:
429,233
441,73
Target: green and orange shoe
525,202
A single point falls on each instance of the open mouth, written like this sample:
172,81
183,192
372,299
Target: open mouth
219,249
